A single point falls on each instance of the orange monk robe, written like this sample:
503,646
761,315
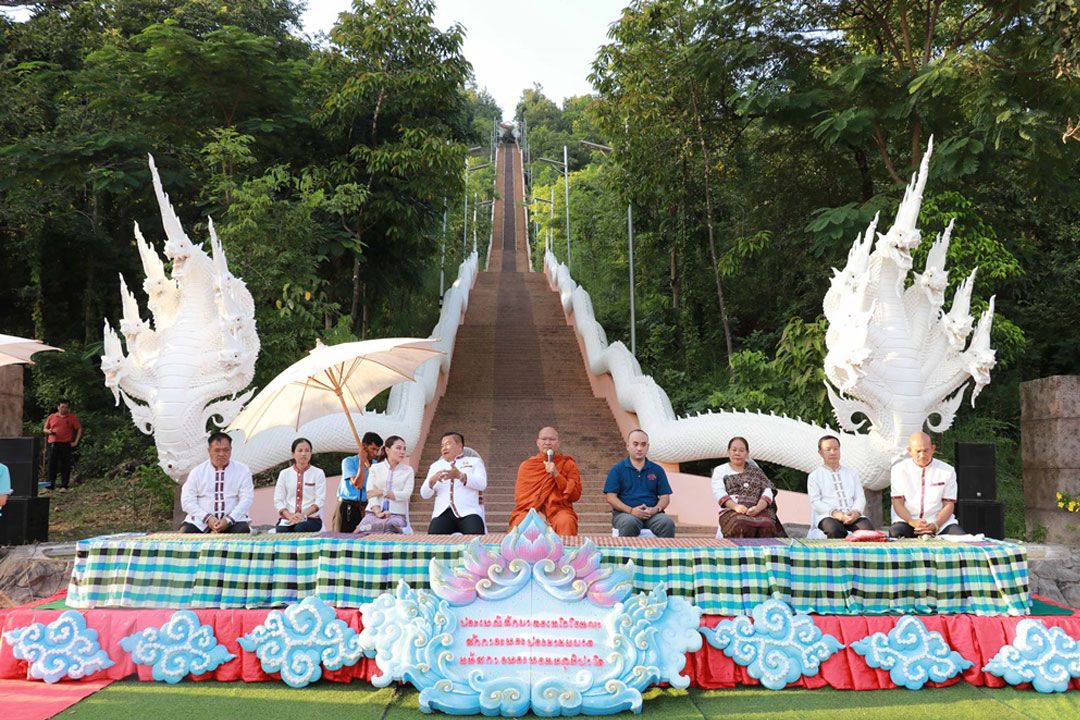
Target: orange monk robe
553,497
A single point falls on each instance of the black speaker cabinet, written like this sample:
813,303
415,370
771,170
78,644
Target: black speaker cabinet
24,520
976,483
975,455
982,516
22,456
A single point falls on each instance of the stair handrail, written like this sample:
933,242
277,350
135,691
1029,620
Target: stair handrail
405,408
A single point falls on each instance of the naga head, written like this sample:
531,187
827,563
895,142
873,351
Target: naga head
893,355
198,356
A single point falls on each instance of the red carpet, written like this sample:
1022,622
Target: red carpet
35,700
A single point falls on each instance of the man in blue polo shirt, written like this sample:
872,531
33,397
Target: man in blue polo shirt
638,491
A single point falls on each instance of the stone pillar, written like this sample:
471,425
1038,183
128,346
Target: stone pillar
1050,444
11,400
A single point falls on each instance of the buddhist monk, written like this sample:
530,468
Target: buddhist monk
549,482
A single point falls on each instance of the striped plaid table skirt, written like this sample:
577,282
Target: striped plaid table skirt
722,577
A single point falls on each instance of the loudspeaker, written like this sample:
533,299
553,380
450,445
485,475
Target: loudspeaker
975,454
982,516
976,472
976,483
24,520
22,456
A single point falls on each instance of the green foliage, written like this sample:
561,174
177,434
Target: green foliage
312,159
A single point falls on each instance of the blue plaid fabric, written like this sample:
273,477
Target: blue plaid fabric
722,577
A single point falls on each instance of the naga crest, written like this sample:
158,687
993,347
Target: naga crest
186,365
895,356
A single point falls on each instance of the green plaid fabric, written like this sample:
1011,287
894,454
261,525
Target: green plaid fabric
825,577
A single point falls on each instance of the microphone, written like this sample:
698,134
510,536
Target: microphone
550,454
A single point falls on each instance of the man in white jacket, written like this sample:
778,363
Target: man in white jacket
837,501
217,494
457,481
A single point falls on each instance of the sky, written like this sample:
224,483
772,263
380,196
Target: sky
511,44
515,43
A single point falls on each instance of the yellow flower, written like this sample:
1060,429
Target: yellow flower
307,295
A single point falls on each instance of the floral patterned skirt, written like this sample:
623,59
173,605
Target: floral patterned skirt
392,523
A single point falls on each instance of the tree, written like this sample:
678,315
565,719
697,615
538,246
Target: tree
396,115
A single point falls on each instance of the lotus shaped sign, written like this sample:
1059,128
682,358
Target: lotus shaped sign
531,626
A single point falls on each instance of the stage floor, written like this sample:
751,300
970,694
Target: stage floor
723,577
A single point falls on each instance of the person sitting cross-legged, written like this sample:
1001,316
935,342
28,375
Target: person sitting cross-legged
300,492
549,482
217,494
923,493
456,480
638,491
746,496
389,485
837,501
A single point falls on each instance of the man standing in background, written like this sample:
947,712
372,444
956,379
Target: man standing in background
63,432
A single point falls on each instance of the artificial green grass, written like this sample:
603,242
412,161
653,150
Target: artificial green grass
359,701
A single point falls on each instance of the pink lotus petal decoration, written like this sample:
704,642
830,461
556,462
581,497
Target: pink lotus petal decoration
532,552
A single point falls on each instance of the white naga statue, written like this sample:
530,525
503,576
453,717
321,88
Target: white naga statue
186,368
189,367
895,356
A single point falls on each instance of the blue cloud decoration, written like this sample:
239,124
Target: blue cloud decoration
777,647
179,648
299,641
1045,657
63,648
632,642
912,654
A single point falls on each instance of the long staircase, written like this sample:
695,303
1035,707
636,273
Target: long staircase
517,367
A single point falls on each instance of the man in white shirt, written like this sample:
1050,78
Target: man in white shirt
217,494
837,501
457,481
923,493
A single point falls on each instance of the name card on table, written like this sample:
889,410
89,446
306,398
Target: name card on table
530,626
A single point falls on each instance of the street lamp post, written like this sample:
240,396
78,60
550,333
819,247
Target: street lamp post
604,149
465,223
442,252
551,217
565,165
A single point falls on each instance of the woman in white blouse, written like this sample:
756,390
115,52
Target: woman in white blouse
300,492
389,485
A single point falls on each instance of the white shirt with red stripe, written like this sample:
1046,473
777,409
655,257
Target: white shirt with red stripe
464,497
220,493
924,490
311,488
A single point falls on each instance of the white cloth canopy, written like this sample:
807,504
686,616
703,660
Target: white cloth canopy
15,350
333,379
